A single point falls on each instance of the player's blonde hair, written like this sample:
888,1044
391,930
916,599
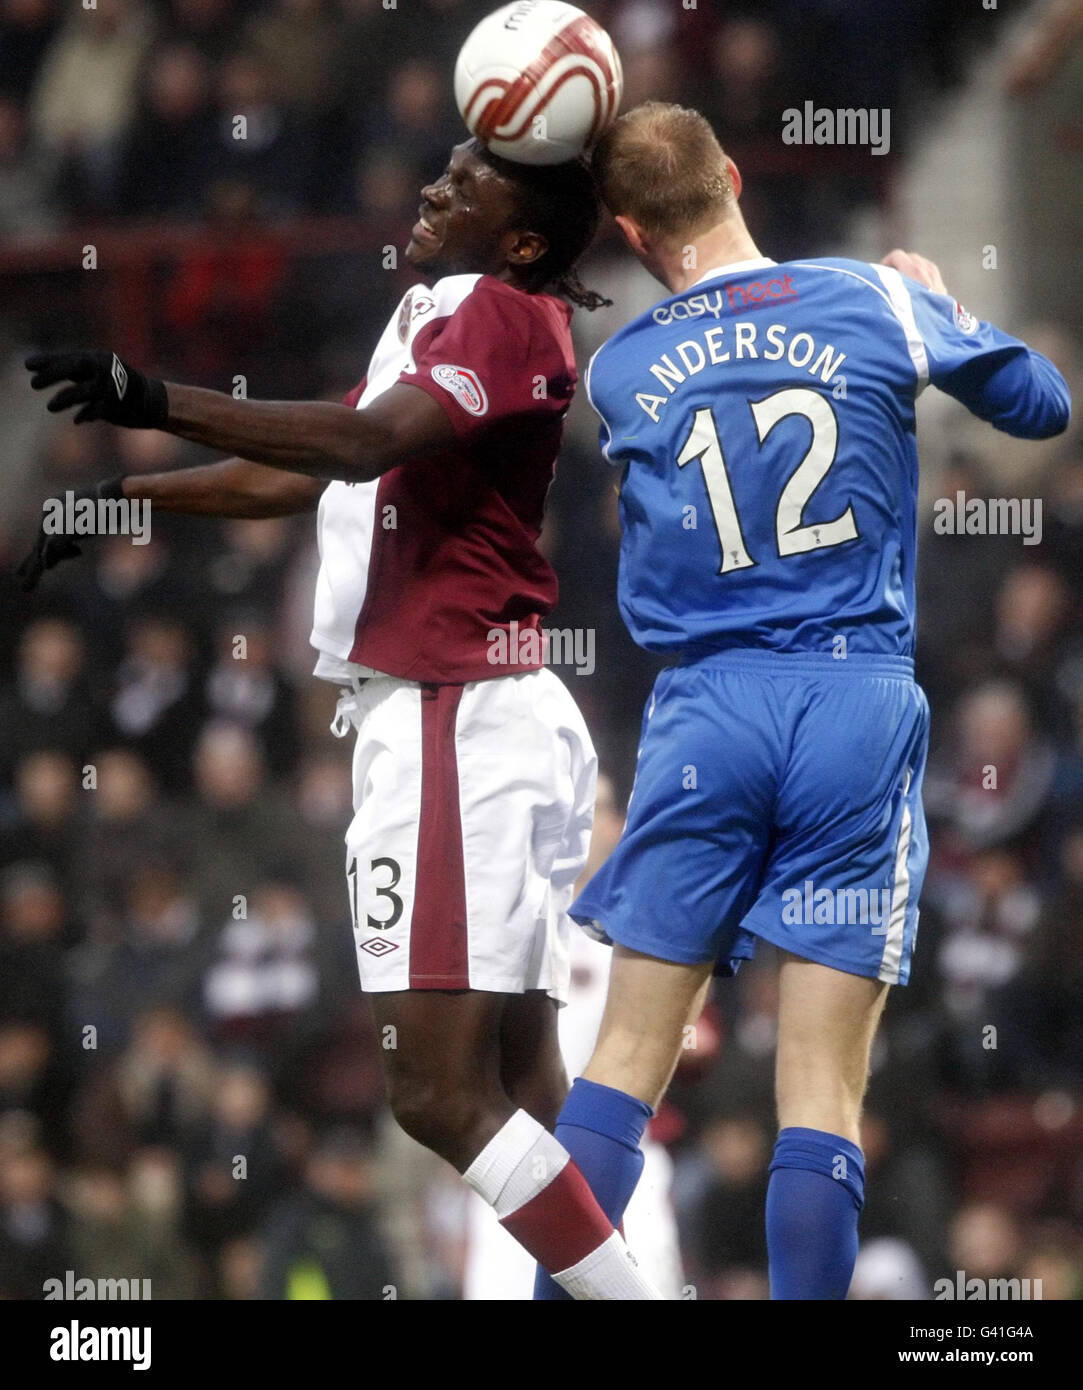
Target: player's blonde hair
662,165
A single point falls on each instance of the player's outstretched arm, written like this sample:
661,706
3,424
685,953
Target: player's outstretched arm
997,377
315,438
235,488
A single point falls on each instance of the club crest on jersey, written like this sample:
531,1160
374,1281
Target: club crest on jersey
413,306
464,385
965,321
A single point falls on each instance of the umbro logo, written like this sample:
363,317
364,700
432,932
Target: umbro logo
378,946
120,376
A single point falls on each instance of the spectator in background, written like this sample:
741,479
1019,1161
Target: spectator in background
33,1083
128,823
27,28
984,1242
33,1245
44,823
261,144
324,1241
988,913
1033,610
247,566
322,796
264,972
386,185
174,115
26,177
412,119
244,686
33,915
1038,1015
993,784
85,97
234,1169
722,1227
155,962
907,1214
157,705
955,617
645,34
300,41
212,26
742,95
48,705
241,832
223,293
129,580
155,1093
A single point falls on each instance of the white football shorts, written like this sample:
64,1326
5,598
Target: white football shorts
473,807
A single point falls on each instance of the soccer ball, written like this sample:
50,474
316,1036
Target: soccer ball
538,81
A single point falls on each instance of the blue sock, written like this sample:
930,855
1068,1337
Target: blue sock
816,1189
601,1129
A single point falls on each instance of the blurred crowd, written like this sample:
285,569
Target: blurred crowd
190,1084
130,108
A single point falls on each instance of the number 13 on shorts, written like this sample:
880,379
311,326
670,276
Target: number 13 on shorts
376,902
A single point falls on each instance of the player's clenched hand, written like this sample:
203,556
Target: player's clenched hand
50,548
104,388
917,268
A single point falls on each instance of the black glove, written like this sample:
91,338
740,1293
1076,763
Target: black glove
105,387
50,548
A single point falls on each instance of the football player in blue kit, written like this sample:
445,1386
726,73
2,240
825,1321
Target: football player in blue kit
762,417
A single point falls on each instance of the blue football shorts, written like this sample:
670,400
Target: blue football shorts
777,796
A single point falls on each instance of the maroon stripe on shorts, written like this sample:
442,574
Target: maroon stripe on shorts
438,935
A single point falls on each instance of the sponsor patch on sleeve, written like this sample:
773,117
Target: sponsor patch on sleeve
965,321
464,385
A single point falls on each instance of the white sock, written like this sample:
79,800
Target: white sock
517,1163
609,1273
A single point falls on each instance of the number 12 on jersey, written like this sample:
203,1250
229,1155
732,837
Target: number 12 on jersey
794,537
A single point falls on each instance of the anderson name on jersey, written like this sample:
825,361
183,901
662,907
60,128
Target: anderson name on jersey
419,567
764,421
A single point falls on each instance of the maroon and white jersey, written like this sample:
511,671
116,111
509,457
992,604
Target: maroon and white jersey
419,568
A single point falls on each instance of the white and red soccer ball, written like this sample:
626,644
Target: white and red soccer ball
538,81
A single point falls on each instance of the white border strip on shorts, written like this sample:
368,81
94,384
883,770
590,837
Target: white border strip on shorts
891,960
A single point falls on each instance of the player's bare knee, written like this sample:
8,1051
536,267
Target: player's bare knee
445,1118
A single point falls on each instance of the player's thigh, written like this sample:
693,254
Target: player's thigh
441,1053
826,1024
648,1006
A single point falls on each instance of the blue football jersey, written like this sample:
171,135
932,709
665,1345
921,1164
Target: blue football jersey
764,423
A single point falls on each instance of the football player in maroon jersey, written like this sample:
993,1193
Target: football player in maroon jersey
473,771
